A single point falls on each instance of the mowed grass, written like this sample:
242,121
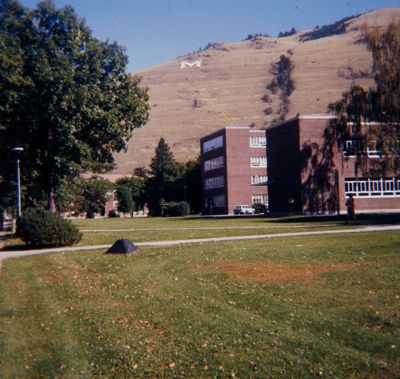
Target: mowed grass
104,231
206,311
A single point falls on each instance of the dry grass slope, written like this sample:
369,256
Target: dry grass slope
187,103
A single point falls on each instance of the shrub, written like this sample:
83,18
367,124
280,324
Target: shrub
260,208
113,214
181,208
38,227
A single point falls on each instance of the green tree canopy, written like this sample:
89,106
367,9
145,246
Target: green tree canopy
65,96
125,200
94,195
379,105
136,186
163,181
170,180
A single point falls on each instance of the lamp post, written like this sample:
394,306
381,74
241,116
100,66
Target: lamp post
18,150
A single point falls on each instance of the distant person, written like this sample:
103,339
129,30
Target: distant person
291,205
351,214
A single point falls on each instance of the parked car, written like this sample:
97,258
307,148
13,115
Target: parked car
243,209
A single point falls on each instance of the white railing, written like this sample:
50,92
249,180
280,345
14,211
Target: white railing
383,187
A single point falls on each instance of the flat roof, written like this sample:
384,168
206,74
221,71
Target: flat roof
315,116
223,129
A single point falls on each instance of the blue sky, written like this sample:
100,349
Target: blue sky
156,31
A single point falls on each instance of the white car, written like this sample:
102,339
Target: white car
243,209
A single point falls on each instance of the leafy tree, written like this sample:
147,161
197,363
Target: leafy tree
136,187
94,195
64,96
125,201
380,105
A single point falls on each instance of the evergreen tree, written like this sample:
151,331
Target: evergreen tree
164,174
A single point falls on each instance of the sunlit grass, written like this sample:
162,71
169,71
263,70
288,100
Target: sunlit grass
172,312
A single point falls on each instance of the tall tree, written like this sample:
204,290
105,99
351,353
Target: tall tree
162,181
65,96
125,200
136,186
380,105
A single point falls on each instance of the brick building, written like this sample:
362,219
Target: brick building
234,169
317,176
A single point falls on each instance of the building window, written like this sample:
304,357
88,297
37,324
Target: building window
258,161
213,143
214,182
353,147
372,187
260,198
215,201
258,141
213,164
259,179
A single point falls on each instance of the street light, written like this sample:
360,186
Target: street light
18,150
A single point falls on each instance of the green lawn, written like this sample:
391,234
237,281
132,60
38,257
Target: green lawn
145,229
209,310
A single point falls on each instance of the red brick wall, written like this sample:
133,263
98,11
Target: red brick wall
319,169
237,170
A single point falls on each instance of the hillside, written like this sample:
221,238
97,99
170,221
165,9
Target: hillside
228,86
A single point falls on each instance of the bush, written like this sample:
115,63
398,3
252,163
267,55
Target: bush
38,227
113,214
181,208
260,208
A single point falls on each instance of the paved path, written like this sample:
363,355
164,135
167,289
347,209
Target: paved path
367,229
206,228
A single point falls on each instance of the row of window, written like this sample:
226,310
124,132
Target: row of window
372,187
220,200
213,143
213,164
258,141
260,198
258,161
218,162
219,181
215,202
373,150
259,179
214,182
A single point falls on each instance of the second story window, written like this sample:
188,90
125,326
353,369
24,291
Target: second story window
258,161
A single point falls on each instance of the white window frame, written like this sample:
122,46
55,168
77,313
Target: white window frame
258,141
259,179
260,198
372,151
258,161
372,187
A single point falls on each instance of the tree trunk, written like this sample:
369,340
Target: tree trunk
52,200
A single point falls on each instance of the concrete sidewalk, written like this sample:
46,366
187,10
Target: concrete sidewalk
367,229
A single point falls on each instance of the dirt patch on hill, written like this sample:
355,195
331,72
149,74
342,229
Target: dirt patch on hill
268,272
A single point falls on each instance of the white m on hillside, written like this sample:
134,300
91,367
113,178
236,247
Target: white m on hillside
185,64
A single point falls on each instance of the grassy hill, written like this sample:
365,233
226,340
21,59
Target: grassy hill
230,85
